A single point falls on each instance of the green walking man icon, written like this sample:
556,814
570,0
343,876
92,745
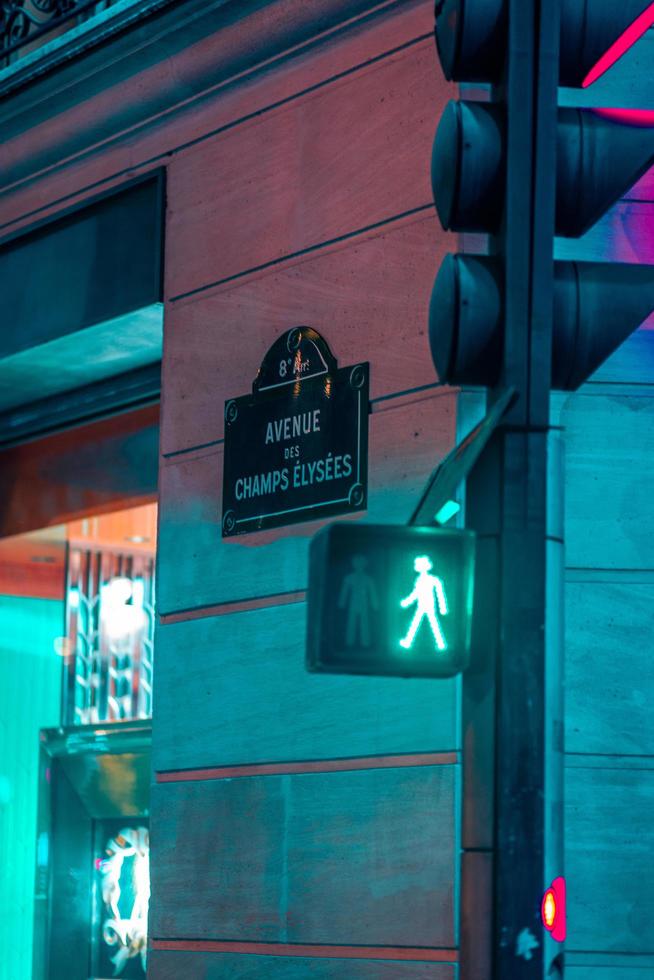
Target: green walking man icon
428,590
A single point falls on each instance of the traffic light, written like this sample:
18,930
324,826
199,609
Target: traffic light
594,34
553,910
600,154
390,600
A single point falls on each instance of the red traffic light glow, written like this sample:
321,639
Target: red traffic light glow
552,910
626,40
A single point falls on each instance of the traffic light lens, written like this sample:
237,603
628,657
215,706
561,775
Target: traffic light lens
619,47
470,38
549,909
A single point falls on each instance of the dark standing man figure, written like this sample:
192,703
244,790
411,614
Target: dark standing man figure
359,597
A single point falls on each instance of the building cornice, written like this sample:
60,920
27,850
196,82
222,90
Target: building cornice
94,31
228,38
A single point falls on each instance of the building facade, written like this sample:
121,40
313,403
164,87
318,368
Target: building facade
216,174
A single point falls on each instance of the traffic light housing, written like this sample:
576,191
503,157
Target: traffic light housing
597,305
594,34
389,600
600,154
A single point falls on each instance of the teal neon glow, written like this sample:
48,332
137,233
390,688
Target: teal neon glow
447,511
29,700
427,592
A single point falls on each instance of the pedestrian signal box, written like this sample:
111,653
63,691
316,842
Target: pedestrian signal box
390,600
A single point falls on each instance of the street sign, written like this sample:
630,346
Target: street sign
296,449
390,600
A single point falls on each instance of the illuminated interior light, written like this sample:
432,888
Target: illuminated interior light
138,592
619,47
62,646
118,591
121,617
427,591
447,511
127,934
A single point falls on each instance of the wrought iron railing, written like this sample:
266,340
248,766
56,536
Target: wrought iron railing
28,24
109,637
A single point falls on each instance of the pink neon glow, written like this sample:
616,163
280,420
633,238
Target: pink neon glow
630,117
626,40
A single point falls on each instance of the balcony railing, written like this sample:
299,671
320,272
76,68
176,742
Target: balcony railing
29,24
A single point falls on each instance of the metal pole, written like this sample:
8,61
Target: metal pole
511,697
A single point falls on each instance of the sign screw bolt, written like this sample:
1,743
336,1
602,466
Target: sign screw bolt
293,339
231,411
356,495
357,376
229,522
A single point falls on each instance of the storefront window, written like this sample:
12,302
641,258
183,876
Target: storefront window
76,652
109,639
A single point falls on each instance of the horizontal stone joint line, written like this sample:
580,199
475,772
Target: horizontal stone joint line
301,767
607,953
449,390
308,250
603,569
193,449
609,761
437,389
578,575
614,755
436,954
233,606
